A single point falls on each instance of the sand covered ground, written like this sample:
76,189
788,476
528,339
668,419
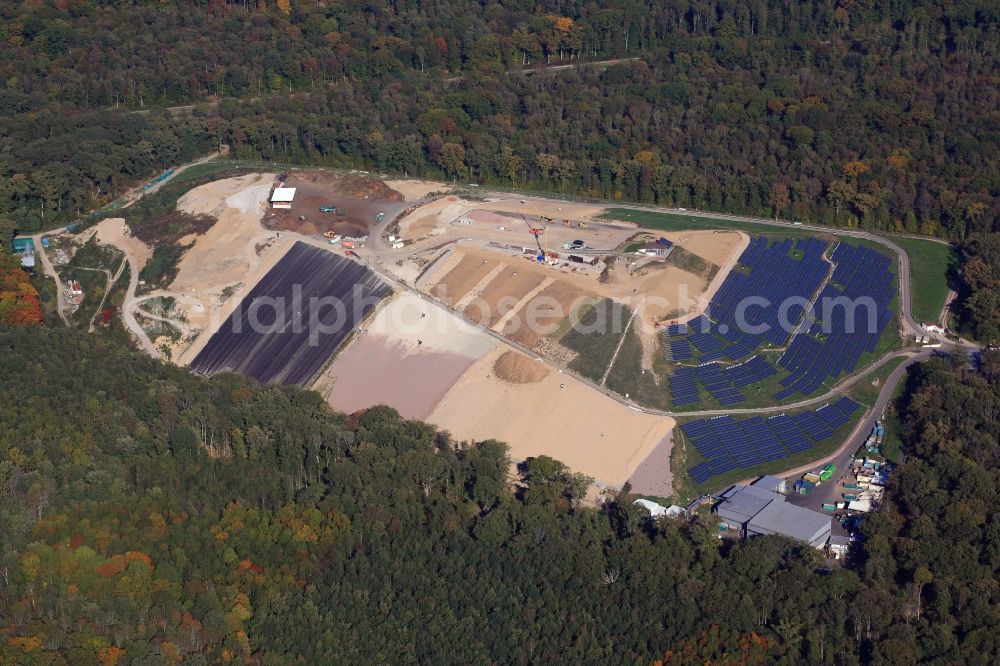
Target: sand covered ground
226,253
714,246
557,416
653,476
413,190
409,356
508,221
111,231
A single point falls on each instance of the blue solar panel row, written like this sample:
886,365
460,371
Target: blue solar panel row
675,330
749,372
774,275
852,313
680,350
727,444
683,390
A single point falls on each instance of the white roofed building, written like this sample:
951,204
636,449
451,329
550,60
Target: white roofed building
282,197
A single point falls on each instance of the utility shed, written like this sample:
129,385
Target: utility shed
656,510
791,521
282,197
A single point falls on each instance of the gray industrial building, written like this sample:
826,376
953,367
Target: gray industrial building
758,509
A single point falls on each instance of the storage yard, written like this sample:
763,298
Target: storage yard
287,327
357,201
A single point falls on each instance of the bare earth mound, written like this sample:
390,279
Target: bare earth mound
558,416
519,369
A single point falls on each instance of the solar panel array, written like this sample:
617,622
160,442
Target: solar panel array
712,377
683,389
749,372
774,275
781,273
864,278
728,444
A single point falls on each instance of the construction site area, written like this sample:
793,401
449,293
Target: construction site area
489,316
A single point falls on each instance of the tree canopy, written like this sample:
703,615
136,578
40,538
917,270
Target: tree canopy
876,114
151,515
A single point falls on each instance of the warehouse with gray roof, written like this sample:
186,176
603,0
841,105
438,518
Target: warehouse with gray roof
757,510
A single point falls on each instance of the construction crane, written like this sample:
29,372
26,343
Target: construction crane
536,232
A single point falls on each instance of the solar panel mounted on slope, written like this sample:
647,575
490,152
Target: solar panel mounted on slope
833,417
847,405
675,330
790,434
707,343
700,324
683,390
680,350
702,472
813,426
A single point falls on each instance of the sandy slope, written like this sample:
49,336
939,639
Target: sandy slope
557,416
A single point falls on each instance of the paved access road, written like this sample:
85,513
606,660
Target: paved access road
830,492
291,322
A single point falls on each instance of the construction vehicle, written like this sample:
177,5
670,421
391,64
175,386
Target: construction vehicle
537,232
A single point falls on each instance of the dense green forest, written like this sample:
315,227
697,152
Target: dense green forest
879,114
978,305
150,516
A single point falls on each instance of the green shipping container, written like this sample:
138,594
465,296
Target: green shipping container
829,507
21,244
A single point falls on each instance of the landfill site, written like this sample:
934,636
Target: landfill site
463,305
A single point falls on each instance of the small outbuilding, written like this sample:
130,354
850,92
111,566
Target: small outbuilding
282,197
656,510
654,250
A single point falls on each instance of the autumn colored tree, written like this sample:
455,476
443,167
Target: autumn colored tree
778,198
